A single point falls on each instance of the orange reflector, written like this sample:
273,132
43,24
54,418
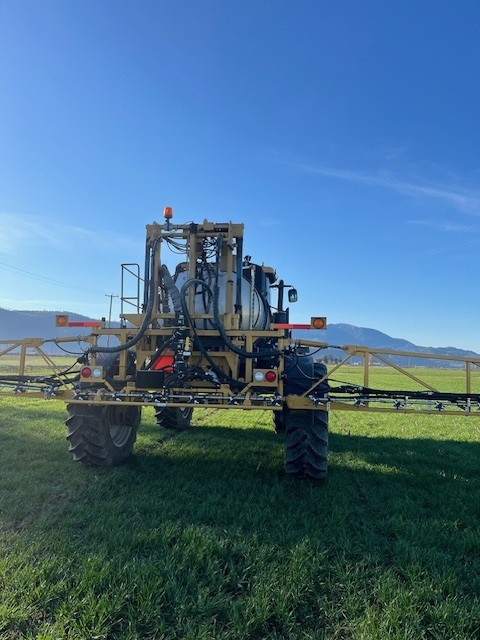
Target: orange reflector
167,213
319,322
61,320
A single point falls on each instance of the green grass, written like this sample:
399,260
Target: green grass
201,536
34,365
451,380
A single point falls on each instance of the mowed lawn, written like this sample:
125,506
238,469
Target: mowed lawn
200,536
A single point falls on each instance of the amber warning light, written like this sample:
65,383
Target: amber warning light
319,322
168,213
61,321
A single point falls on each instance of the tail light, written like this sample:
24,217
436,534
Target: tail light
91,372
265,375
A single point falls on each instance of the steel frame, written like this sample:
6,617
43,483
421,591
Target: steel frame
30,386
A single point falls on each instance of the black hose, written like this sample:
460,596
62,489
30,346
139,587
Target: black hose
146,320
171,288
266,353
186,314
155,356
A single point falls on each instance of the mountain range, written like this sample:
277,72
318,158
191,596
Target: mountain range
348,334
41,324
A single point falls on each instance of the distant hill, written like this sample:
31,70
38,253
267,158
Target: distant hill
41,324
37,324
15,325
343,334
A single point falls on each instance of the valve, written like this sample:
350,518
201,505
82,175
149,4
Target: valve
401,404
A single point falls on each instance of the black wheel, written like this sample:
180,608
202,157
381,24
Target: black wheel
177,419
306,443
102,436
279,422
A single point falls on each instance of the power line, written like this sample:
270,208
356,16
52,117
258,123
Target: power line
37,276
111,296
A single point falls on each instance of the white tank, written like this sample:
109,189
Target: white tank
254,312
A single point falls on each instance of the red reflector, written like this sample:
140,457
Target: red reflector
84,324
86,372
270,376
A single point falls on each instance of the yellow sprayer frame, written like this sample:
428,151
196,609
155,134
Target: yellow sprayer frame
225,398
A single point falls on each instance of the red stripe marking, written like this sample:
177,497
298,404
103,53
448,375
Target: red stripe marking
84,324
291,326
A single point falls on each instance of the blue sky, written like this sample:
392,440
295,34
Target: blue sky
343,134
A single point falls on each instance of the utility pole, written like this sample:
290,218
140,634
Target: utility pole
111,296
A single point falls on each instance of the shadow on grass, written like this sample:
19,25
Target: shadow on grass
210,511
232,479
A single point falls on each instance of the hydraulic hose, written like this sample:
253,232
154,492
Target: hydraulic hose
266,353
146,320
221,374
171,288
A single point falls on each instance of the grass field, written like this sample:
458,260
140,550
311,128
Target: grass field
201,536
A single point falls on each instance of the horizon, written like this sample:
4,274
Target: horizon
344,137
329,324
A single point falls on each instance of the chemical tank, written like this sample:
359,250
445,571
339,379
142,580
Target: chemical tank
255,304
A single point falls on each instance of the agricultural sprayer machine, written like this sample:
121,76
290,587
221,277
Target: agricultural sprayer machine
213,332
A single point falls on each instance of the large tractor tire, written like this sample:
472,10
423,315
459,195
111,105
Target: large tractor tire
102,436
176,419
279,422
306,443
306,440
